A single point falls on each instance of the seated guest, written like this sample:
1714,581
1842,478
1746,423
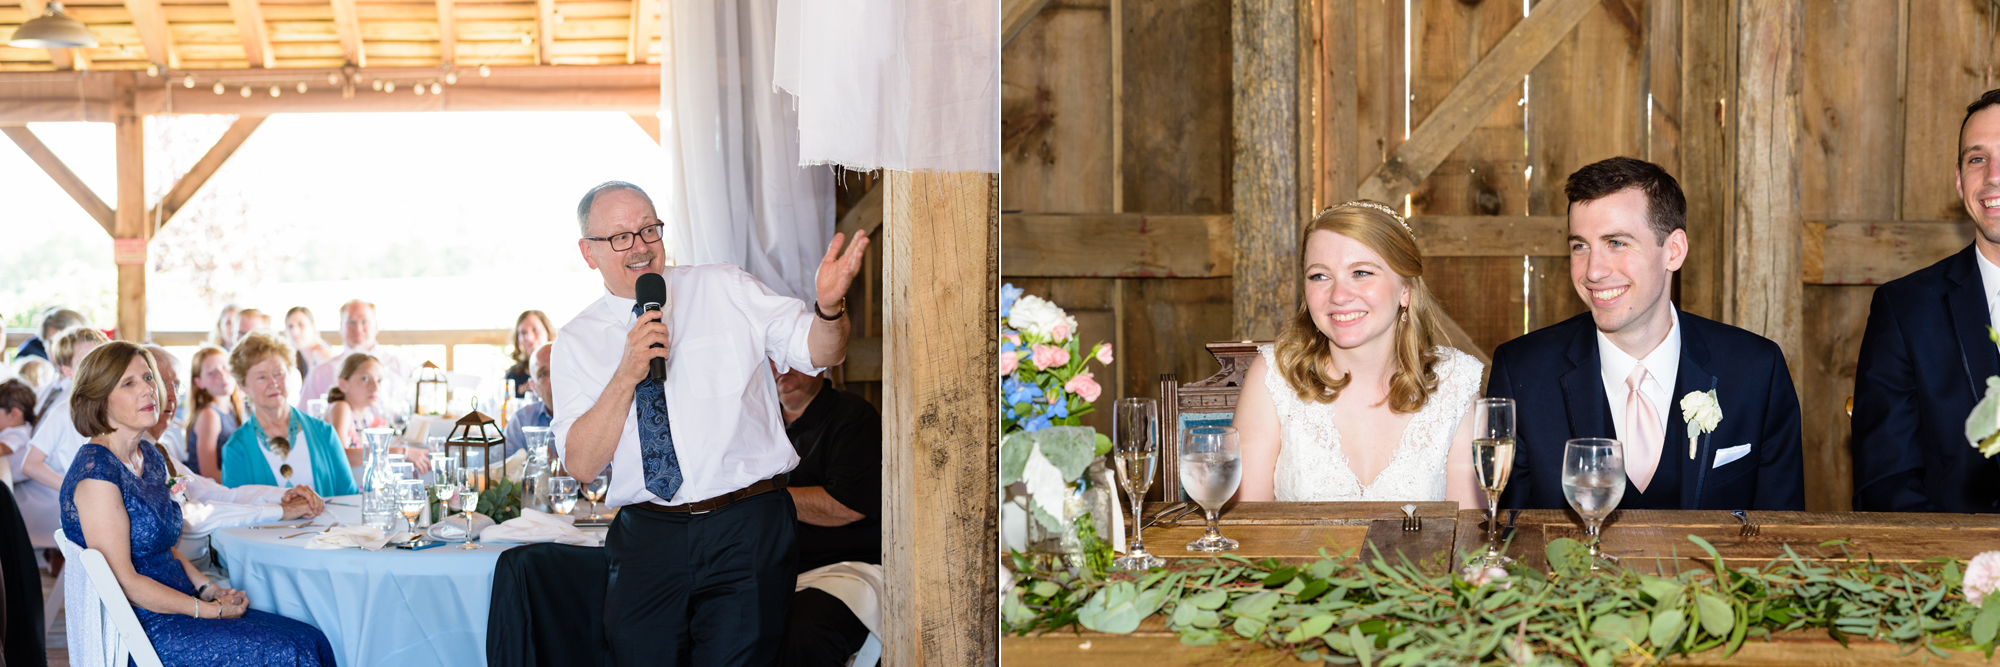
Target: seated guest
1622,369
538,412
251,319
531,329
278,444
54,442
1359,399
304,334
357,332
1925,356
837,487
53,321
355,403
228,328
17,423
36,371
218,410
115,499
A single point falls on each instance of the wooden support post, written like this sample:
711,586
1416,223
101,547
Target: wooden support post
1764,258
940,447
131,229
1708,65
1338,129
1265,57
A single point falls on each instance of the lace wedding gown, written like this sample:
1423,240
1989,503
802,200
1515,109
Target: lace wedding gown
1313,467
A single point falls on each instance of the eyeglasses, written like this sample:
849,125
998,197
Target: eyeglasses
623,242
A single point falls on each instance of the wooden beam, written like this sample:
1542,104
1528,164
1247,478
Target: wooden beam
190,183
645,24
864,360
152,24
545,31
865,215
447,32
250,28
1496,77
61,174
131,226
1492,236
649,123
1015,14
1264,179
347,24
939,446
1769,299
1117,245
1708,65
1866,252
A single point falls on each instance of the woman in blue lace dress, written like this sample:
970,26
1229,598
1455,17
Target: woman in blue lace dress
116,500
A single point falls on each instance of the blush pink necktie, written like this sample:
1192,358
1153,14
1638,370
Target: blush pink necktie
1642,427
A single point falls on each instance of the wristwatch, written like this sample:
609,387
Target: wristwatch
837,313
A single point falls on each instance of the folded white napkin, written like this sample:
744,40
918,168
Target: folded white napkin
365,537
452,528
537,526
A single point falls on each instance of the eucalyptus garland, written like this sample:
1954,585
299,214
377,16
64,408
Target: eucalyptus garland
1346,611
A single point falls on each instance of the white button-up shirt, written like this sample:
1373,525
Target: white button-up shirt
722,401
1989,280
1663,367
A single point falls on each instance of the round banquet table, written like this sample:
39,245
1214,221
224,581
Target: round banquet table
387,607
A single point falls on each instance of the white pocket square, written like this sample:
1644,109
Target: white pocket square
1729,455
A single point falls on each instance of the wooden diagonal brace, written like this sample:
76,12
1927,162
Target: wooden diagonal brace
54,167
1492,80
1015,14
211,161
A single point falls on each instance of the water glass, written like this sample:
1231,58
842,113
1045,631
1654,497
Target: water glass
1493,461
1135,427
562,494
410,501
1593,480
1211,462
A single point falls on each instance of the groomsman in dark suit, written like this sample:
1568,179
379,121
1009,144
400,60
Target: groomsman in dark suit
1623,369
1926,356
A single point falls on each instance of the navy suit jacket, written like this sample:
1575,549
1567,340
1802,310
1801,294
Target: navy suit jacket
1556,382
1924,362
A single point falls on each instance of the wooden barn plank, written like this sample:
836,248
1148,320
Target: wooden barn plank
1707,64
1015,15
1176,142
1265,188
1493,79
447,27
1848,120
545,25
1875,252
1952,51
1117,245
1836,315
1587,103
61,174
1509,236
1055,122
348,24
1663,84
1484,174
197,176
1765,226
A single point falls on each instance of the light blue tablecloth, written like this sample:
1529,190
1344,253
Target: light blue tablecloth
388,607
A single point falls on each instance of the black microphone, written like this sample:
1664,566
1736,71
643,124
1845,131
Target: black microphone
651,293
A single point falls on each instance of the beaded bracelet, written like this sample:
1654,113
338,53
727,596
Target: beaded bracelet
197,608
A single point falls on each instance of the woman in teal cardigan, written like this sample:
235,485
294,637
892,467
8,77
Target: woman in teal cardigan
276,440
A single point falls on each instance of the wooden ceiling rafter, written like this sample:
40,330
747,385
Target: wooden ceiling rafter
61,174
256,36
545,31
639,38
447,33
151,21
210,162
347,24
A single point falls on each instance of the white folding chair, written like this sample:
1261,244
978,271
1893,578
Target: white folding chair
102,628
870,653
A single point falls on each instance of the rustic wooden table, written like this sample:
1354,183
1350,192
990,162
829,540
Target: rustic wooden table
1643,539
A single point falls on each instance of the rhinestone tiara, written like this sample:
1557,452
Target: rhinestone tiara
1379,206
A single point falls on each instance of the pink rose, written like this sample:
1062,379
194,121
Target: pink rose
1059,332
1049,356
1982,576
1009,361
1013,338
1104,354
1477,576
1084,385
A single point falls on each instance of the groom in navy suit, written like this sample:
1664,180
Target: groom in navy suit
1623,369
1925,357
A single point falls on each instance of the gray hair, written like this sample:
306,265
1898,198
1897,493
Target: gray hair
590,199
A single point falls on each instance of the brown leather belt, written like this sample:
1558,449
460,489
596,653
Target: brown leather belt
705,506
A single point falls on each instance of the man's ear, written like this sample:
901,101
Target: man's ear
1677,249
583,247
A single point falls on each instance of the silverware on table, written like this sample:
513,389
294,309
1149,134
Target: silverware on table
1508,532
1749,529
301,524
1177,509
1410,520
330,526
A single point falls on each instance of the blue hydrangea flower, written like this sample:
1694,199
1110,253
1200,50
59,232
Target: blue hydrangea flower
1059,410
1037,423
1017,391
1008,294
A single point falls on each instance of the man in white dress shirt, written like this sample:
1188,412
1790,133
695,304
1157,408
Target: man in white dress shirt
357,334
701,553
1625,367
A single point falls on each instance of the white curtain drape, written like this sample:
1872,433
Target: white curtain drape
911,85
739,194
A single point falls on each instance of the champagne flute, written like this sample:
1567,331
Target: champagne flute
562,494
410,500
1211,467
1593,480
468,502
445,488
1136,450
1493,460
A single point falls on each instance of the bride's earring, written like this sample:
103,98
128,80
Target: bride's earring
1406,315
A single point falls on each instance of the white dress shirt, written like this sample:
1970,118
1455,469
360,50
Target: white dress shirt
721,398
56,434
1989,279
395,367
1663,366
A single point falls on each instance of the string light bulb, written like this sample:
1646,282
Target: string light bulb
436,89
218,87
152,69
332,79
485,71
302,87
451,78
188,81
389,87
527,38
377,84
274,90
557,16
246,91
420,90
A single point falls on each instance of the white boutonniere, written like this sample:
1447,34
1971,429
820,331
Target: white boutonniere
179,489
1702,412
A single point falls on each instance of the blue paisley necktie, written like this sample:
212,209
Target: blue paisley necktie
656,440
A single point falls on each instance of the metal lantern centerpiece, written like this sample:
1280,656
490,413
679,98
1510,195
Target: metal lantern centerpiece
432,390
478,432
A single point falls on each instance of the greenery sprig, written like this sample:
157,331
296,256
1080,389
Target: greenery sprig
1347,611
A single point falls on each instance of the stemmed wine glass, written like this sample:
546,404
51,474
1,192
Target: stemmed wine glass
444,487
1593,480
1135,450
468,502
562,494
1493,460
593,491
1211,466
410,500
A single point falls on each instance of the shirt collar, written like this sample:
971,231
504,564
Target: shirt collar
620,306
1989,276
1662,364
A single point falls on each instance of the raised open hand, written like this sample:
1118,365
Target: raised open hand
837,269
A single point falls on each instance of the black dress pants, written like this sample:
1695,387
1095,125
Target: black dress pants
821,631
701,589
